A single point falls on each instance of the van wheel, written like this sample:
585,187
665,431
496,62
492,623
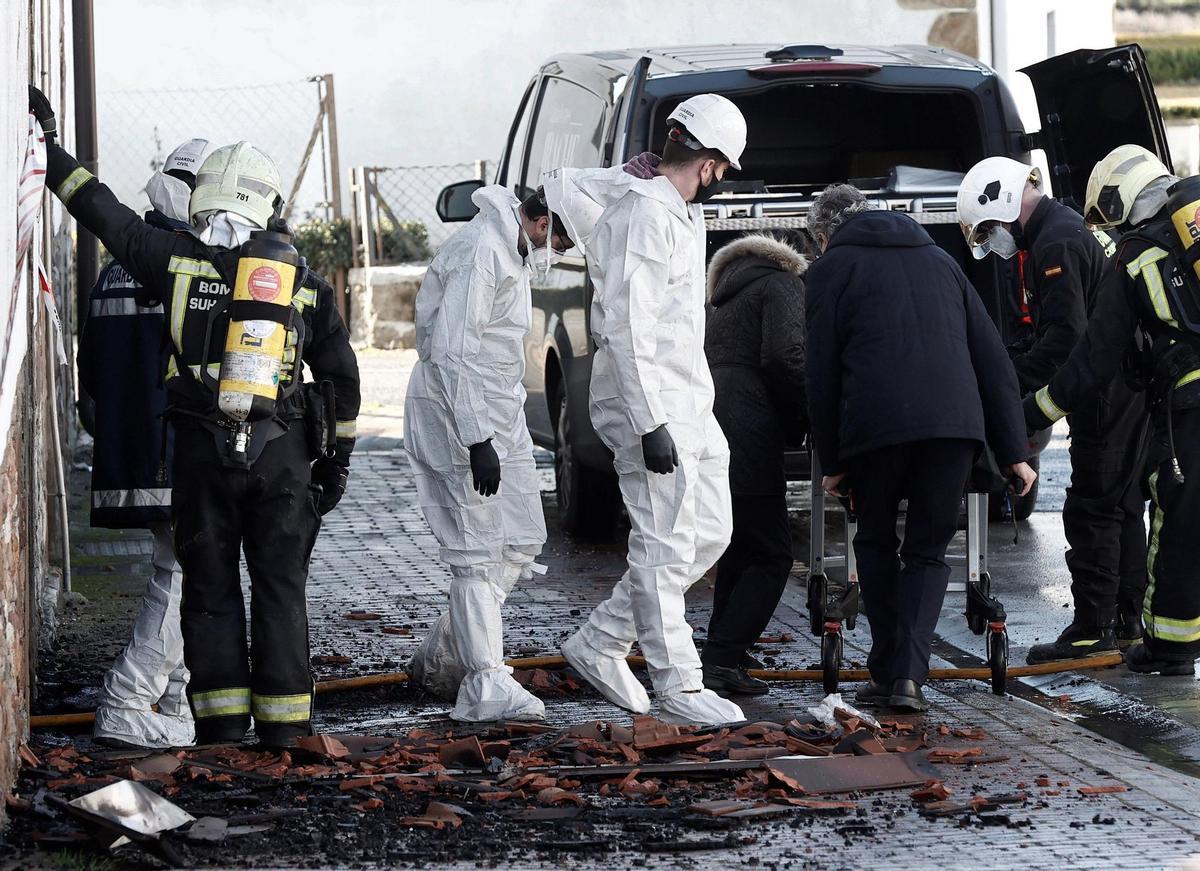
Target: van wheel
588,500
1023,506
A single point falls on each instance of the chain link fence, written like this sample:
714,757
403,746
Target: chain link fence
287,120
395,209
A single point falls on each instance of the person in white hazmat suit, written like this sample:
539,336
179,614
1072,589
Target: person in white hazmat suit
469,446
651,404
120,351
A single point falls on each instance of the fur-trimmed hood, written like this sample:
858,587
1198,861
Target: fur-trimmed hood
728,260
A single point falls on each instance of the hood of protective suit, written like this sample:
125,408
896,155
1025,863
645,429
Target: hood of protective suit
500,200
1151,200
169,195
580,196
660,188
742,261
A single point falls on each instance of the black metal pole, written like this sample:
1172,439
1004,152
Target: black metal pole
87,255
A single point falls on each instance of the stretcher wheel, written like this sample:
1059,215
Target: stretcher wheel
976,619
831,661
998,660
817,585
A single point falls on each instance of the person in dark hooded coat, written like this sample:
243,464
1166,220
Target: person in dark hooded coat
907,379
754,341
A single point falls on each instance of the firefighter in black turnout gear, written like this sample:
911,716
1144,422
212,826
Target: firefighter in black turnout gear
1003,209
1149,284
265,496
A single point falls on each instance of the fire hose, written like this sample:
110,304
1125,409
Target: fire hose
50,721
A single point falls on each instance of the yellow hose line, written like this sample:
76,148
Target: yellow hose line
50,721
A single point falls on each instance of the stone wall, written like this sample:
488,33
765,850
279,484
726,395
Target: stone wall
383,305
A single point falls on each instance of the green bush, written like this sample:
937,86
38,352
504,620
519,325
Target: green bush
325,244
406,242
327,247
1174,65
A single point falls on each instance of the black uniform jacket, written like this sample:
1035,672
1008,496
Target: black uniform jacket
185,275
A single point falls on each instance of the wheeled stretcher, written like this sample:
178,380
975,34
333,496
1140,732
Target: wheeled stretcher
833,601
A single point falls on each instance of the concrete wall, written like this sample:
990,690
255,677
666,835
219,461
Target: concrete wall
382,306
33,35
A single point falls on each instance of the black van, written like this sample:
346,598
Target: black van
898,122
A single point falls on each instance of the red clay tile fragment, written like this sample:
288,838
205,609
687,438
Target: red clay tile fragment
817,804
370,804
947,754
758,752
359,783
932,791
362,615
1042,781
552,795
396,630
971,733
332,659
1102,790
28,756
324,745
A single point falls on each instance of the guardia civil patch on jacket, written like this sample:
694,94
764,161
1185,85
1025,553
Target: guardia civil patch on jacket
1052,271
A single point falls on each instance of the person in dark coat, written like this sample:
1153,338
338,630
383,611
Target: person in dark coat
754,341
907,378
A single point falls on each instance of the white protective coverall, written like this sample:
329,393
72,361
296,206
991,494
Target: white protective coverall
473,313
646,258
150,669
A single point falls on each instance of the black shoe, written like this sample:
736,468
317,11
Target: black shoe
719,678
874,694
1140,659
751,663
1129,628
1076,642
907,696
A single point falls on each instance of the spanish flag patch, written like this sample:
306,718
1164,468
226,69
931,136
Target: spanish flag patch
1053,271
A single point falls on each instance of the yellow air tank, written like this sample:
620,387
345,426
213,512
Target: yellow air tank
254,346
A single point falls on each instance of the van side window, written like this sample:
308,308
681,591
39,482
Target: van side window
514,154
567,131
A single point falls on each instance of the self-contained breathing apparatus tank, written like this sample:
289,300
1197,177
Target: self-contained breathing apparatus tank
259,315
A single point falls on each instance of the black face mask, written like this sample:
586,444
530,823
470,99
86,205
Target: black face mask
705,192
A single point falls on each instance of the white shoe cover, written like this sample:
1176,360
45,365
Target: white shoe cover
611,675
486,696
144,728
700,708
434,667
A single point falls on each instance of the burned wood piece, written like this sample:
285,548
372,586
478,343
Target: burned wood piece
464,753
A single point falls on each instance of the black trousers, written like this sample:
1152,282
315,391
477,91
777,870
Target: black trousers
751,577
269,512
1172,612
903,585
1104,512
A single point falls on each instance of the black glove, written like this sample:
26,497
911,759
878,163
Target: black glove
330,475
44,112
485,468
658,450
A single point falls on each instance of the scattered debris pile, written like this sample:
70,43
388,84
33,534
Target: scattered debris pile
183,806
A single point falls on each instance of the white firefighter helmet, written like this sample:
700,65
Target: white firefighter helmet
713,122
991,193
1116,181
240,179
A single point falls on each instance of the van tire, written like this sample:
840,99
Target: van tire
589,500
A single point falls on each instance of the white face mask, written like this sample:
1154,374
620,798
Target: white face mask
539,260
169,195
1001,243
222,229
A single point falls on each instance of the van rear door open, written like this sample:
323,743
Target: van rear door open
1091,101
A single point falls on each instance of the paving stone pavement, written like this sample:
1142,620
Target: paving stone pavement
377,554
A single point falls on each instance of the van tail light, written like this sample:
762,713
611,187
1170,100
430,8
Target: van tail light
814,68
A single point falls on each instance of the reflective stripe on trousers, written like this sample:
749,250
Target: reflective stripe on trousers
296,708
221,703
